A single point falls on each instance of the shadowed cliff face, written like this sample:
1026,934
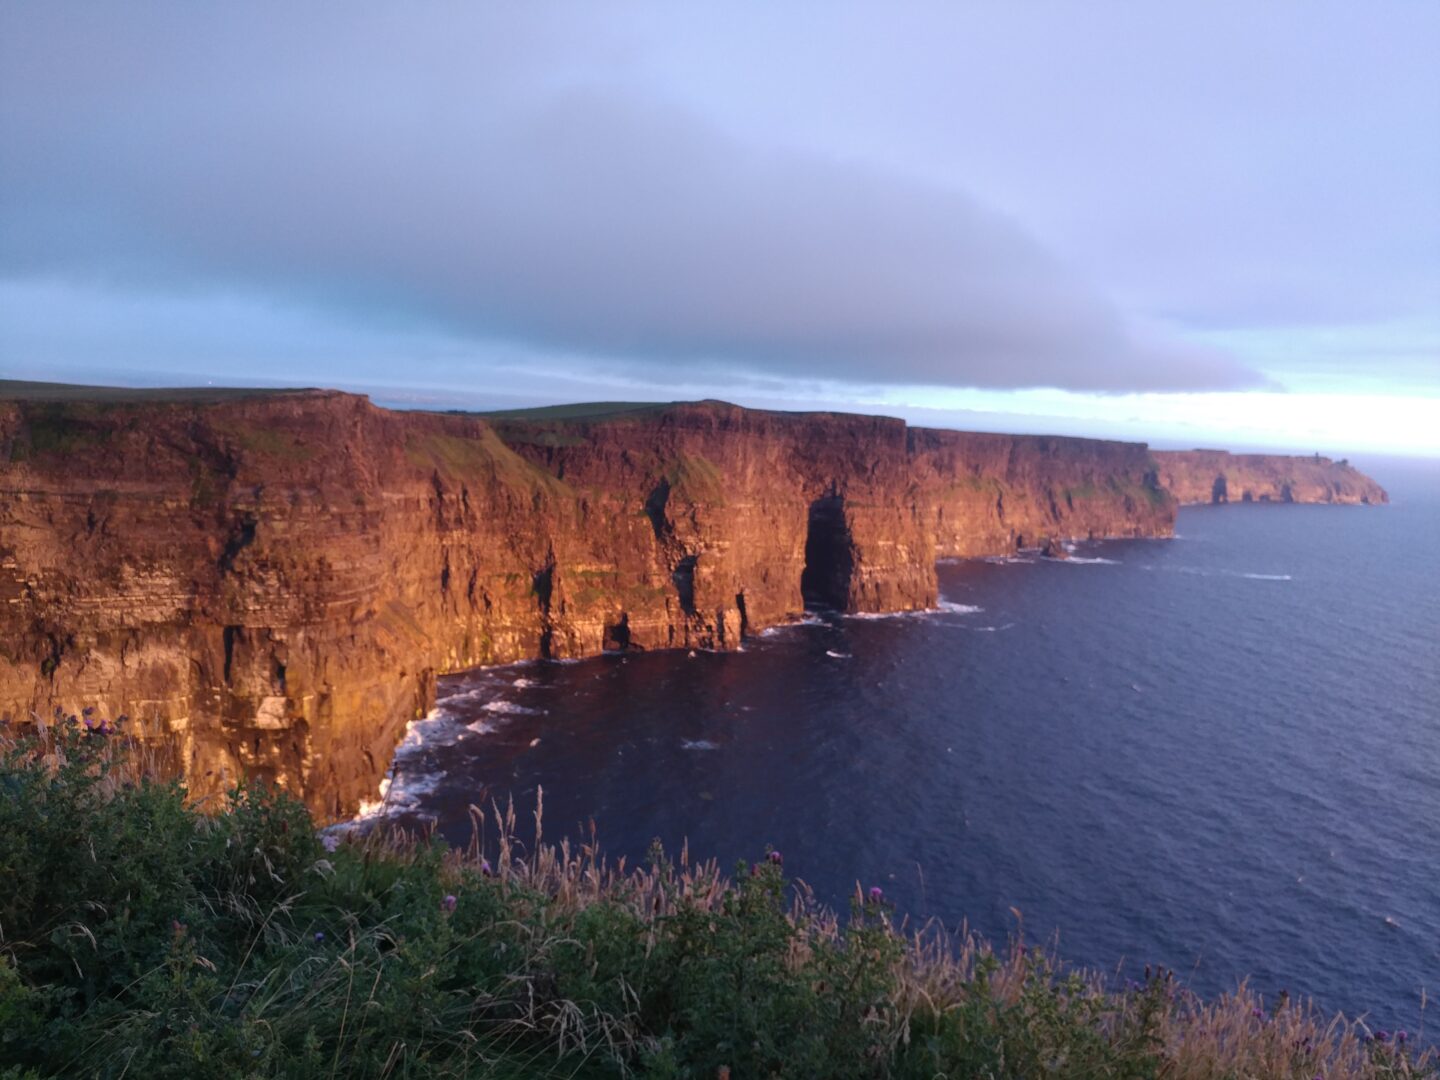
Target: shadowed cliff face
269,585
1215,476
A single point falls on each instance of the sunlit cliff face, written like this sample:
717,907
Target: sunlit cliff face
270,584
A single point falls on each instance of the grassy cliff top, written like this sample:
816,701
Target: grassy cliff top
21,390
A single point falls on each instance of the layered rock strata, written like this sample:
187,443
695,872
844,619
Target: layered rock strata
268,585
1216,476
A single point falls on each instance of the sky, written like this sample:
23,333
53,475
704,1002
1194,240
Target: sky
1191,223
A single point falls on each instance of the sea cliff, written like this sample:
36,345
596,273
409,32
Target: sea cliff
269,584
1217,476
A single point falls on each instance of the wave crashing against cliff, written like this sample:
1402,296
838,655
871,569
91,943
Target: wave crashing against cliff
270,582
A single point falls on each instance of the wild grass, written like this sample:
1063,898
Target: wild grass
141,938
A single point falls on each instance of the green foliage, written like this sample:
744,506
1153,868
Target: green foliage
56,430
141,938
694,478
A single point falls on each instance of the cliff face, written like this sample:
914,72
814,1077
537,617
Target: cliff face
269,585
1215,476
988,494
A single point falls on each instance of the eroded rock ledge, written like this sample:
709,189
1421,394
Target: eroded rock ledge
270,583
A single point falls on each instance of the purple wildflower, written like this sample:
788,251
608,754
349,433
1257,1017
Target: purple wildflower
319,936
877,894
1401,1036
1259,1014
775,858
1383,1035
449,902
89,722
485,867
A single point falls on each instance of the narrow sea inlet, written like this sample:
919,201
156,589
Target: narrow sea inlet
1219,754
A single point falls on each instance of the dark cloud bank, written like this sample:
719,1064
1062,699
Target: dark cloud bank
434,175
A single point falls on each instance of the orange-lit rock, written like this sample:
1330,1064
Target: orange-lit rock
269,584
1215,476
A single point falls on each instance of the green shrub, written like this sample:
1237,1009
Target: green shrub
140,938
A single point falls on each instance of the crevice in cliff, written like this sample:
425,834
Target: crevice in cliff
438,486
684,578
543,585
229,636
655,510
617,634
242,535
50,663
744,617
829,556
1220,490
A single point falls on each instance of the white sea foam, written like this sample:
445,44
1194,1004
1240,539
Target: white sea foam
1081,561
920,613
988,629
399,794
481,727
698,744
952,608
1199,571
837,655
510,708
523,683
780,628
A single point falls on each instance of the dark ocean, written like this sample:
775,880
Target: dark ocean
1219,754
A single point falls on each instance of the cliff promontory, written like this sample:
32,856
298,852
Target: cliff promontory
269,583
1216,476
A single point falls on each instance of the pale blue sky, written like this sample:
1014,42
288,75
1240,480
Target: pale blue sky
1189,223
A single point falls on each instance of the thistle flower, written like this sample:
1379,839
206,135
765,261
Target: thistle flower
449,902
877,894
485,867
775,858
319,936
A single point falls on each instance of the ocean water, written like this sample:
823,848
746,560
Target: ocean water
1219,754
